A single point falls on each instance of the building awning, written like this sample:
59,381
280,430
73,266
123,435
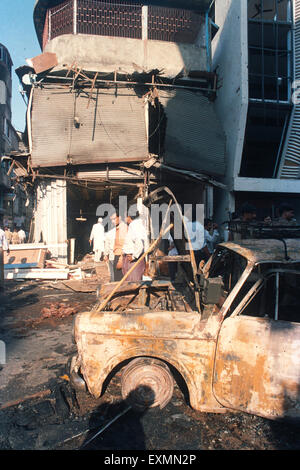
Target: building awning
103,127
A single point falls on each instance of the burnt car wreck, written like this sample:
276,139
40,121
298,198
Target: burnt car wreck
231,331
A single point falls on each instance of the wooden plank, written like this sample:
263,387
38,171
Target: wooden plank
41,394
21,266
172,259
18,257
82,285
28,246
134,286
35,274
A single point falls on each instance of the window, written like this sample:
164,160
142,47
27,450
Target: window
269,10
229,265
270,61
5,57
265,132
270,49
6,128
276,297
3,92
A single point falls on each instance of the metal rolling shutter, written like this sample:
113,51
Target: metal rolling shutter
194,137
69,127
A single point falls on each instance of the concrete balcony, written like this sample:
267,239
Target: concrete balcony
105,37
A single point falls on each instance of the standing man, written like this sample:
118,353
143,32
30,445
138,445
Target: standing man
97,237
3,246
196,234
22,235
135,245
15,237
114,242
8,234
211,235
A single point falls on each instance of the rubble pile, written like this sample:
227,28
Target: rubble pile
59,310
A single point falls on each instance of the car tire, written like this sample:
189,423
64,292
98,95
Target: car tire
147,383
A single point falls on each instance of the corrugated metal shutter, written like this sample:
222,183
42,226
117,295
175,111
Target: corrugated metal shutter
51,116
194,137
291,160
69,127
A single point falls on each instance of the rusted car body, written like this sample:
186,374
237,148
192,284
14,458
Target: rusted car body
241,351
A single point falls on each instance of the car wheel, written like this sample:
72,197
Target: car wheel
147,383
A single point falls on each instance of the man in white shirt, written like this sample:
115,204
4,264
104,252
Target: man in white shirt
97,237
22,235
3,246
211,238
136,243
196,233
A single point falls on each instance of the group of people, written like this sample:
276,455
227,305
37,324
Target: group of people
121,246
248,215
16,236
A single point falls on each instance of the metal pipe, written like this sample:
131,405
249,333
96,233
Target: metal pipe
106,426
119,82
276,296
75,17
28,118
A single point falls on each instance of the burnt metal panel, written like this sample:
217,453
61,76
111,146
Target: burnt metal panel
266,251
194,137
107,339
100,127
258,367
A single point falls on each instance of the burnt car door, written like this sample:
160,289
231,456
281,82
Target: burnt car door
257,361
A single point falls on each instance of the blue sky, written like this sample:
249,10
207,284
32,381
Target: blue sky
17,33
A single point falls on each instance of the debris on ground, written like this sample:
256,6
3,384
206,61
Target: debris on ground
59,310
34,261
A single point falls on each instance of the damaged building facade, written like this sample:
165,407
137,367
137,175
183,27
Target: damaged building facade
121,99
8,136
256,53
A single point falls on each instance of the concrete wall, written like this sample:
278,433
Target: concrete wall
107,54
230,55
